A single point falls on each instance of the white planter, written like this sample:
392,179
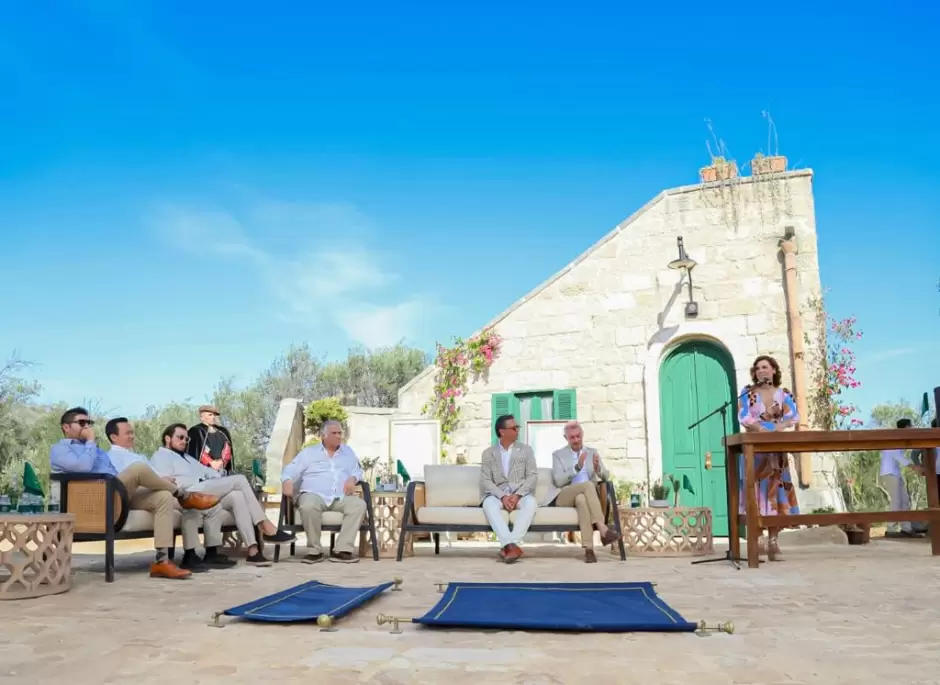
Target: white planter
659,503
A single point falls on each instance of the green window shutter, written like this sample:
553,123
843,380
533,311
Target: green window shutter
501,403
565,405
535,408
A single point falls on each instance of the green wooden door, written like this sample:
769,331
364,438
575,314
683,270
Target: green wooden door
695,379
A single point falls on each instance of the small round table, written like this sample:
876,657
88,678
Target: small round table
35,554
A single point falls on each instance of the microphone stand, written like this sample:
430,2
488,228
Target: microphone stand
723,410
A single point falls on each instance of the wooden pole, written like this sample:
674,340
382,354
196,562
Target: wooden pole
797,361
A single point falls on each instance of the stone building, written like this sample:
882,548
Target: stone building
610,340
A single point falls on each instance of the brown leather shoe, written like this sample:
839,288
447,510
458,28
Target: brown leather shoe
167,569
590,557
512,553
610,537
198,500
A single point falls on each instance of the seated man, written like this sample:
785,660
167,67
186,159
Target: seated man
508,476
576,469
325,478
172,461
77,452
120,433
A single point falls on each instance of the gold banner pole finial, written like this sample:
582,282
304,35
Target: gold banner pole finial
398,581
325,621
441,586
383,619
216,620
704,630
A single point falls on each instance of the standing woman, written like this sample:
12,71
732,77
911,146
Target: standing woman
211,443
765,406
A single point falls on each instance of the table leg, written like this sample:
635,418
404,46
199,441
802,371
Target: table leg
933,498
734,530
750,499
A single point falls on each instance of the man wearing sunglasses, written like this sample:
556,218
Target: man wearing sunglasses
508,477
77,452
121,435
237,496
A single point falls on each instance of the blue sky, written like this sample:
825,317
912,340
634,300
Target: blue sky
188,188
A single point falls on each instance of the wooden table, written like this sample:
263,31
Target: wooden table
750,444
35,554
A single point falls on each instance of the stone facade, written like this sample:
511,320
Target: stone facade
604,323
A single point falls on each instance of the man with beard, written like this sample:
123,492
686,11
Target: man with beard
235,492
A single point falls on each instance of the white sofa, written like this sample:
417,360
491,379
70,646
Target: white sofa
448,500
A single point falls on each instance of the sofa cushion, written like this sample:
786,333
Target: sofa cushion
139,521
454,516
447,485
330,518
552,516
544,486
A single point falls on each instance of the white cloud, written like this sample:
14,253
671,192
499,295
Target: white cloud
383,326
332,278
882,355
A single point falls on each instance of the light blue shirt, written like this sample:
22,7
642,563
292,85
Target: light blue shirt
320,474
76,456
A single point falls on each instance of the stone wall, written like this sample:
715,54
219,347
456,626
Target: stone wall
603,324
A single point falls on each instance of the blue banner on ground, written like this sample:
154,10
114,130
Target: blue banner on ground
307,602
574,607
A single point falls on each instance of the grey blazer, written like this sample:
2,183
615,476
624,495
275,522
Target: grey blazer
563,469
523,472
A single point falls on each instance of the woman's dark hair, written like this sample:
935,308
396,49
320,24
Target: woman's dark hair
170,430
778,377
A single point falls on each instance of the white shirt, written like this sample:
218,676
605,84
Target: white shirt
582,475
121,458
185,470
323,475
506,457
892,461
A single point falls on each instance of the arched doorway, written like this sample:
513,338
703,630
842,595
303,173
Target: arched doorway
696,378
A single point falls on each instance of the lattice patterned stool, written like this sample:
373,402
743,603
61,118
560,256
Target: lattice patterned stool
669,532
389,508
35,554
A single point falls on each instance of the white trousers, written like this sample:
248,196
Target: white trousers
237,497
900,500
525,512
192,519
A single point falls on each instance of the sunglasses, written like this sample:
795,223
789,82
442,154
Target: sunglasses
83,422
511,428
184,438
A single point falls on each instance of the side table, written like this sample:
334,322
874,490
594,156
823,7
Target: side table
389,509
667,532
35,554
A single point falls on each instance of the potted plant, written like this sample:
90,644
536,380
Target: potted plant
772,164
719,170
659,495
857,533
368,465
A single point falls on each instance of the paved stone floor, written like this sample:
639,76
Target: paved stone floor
828,614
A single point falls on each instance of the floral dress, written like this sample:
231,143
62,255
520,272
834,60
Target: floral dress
775,492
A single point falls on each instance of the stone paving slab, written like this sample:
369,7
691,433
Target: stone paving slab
827,615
